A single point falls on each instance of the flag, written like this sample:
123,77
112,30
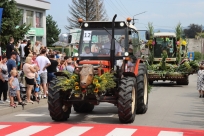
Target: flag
1,12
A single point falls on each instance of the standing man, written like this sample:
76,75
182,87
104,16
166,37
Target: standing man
43,63
22,46
10,47
36,47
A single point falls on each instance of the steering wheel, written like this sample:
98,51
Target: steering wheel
104,51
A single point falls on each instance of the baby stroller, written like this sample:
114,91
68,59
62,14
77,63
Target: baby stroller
22,86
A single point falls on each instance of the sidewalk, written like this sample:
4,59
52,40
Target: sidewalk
5,109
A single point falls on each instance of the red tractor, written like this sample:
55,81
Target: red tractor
105,73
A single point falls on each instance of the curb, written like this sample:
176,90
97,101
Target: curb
5,109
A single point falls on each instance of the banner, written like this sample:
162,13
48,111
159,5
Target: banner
1,12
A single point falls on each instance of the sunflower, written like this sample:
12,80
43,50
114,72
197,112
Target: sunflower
98,85
67,81
76,87
96,90
73,77
76,83
95,81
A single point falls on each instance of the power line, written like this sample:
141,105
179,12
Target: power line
123,7
116,7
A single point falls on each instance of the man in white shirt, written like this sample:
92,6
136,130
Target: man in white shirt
87,51
36,47
22,46
43,63
118,48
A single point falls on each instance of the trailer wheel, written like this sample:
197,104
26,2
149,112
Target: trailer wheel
186,81
142,90
150,82
127,100
55,103
83,107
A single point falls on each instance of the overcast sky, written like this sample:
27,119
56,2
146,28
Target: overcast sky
162,13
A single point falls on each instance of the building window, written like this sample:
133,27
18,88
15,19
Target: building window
38,19
21,21
29,18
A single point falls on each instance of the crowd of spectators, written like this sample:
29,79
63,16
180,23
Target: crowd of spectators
37,63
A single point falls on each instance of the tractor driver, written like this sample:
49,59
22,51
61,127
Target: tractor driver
87,51
164,44
118,48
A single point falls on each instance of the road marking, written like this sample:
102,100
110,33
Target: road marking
74,131
170,133
29,115
28,131
4,126
99,115
122,132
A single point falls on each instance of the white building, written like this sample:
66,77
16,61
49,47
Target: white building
34,13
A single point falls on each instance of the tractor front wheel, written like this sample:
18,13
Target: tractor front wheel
142,90
58,111
127,100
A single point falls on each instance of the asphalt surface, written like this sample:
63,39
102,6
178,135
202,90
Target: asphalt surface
170,106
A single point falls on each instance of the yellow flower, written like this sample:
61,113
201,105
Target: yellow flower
96,90
95,81
76,87
184,42
76,83
67,81
98,85
73,77
105,81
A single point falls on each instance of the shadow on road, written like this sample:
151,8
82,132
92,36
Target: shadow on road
165,84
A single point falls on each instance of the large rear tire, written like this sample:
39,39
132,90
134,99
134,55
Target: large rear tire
58,111
83,107
142,90
127,100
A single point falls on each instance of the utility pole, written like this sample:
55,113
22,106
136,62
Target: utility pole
97,10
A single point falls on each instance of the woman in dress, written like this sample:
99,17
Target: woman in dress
200,81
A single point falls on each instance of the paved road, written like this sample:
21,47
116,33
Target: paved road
170,106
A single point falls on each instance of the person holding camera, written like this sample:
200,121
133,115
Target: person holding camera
3,80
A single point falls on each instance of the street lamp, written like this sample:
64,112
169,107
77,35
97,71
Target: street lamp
136,15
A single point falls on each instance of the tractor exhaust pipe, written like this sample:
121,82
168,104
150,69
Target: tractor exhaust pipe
112,55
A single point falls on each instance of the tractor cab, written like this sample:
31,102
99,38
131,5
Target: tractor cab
101,43
164,42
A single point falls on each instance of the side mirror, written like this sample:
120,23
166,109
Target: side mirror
130,33
147,35
69,38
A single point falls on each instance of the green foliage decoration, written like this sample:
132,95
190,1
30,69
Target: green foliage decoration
99,84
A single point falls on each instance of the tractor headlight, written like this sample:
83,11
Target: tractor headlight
126,53
122,24
76,54
86,24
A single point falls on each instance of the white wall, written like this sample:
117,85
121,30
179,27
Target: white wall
34,3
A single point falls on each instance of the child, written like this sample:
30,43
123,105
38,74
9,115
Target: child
13,87
62,65
37,87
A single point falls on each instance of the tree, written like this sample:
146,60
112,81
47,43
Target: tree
10,22
192,30
52,30
179,31
88,10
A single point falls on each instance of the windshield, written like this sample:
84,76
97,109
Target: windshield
167,44
98,42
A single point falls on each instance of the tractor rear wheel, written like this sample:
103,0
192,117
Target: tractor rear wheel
57,110
83,107
142,90
127,100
